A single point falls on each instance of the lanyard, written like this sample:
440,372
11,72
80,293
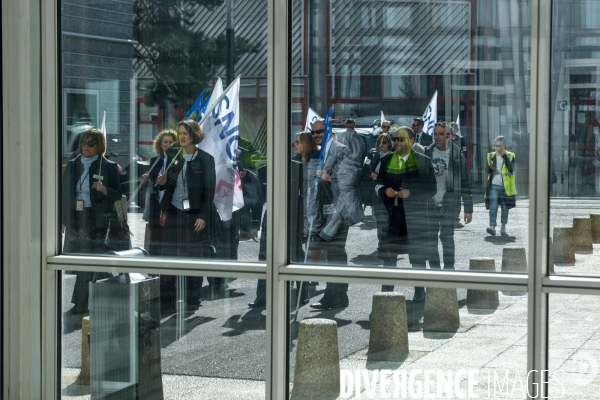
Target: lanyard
184,171
81,180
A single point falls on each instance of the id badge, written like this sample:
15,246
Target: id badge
328,209
186,205
78,205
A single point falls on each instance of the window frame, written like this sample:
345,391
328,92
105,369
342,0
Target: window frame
34,58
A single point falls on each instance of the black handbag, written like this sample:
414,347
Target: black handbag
118,235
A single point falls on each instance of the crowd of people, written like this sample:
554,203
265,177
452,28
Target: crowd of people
416,185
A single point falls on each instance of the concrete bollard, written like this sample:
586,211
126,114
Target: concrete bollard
317,374
388,340
550,257
563,249
84,373
482,299
441,310
582,235
595,225
514,259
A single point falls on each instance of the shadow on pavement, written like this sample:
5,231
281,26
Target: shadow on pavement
239,324
168,328
500,240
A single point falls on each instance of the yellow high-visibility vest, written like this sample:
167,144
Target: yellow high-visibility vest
508,179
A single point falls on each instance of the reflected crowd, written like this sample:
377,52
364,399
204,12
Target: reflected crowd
416,185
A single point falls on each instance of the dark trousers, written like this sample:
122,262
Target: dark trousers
336,255
442,224
190,244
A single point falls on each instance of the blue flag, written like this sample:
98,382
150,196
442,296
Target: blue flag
326,139
197,106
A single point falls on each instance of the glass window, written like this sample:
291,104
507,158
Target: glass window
574,159
155,337
573,345
134,177
443,196
445,344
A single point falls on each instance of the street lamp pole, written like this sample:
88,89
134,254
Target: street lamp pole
230,42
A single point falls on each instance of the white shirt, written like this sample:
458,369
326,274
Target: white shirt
439,160
497,176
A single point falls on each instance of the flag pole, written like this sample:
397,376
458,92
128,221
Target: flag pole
210,108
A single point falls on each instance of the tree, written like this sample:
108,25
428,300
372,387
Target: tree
178,55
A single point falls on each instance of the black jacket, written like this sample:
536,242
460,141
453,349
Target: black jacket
200,179
458,182
426,139
102,204
412,211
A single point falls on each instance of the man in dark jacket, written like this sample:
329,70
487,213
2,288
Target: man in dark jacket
421,137
453,187
406,183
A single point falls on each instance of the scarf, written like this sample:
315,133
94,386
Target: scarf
83,185
411,164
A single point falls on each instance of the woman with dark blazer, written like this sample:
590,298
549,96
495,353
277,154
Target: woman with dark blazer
90,188
163,141
188,204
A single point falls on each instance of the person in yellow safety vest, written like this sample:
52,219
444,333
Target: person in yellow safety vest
501,189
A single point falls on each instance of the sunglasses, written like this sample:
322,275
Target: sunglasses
89,143
385,126
318,131
382,143
399,139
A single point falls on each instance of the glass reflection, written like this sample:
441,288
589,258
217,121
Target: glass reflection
125,346
574,181
134,75
446,345
453,107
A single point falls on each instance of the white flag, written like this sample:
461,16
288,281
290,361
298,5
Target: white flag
382,119
430,115
103,127
458,125
221,132
311,116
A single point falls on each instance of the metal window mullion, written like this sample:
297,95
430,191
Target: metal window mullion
277,172
537,338
229,270
50,137
406,277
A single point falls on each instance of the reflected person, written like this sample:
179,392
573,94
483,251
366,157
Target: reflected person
90,188
453,192
406,183
188,204
501,190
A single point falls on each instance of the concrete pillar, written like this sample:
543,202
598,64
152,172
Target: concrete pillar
441,310
595,225
482,299
582,235
563,249
317,374
514,259
84,374
388,339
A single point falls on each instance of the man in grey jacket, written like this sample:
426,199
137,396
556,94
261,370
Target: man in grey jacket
453,188
341,172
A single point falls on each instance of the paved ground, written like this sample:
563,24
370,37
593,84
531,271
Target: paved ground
222,354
